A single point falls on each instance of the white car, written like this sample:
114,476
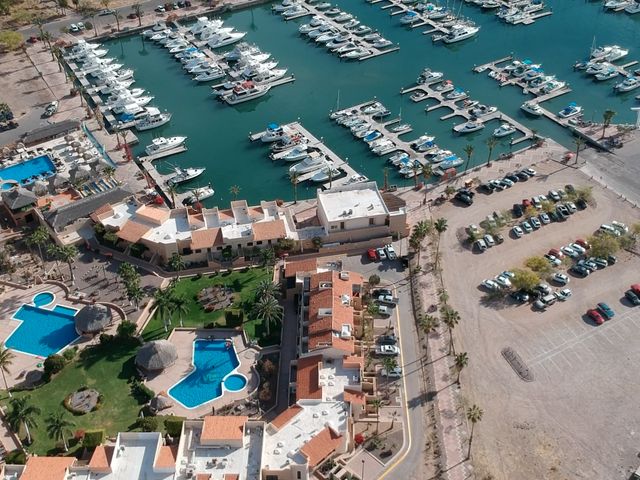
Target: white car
570,252
560,278
73,28
488,239
490,285
554,195
578,248
620,226
387,350
530,171
395,373
507,273
517,231
503,281
555,261
391,253
563,294
381,253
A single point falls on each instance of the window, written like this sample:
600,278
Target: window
218,248
298,474
371,221
259,242
272,477
341,225
269,242
250,244
208,250
198,251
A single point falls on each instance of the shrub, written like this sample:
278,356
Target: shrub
53,364
374,280
93,438
70,353
233,317
173,425
147,424
267,367
105,338
127,329
16,457
141,392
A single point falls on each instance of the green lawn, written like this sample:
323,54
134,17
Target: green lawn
243,283
107,368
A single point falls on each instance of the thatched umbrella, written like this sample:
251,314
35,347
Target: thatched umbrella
156,355
160,402
40,187
92,319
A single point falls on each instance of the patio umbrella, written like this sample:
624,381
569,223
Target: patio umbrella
40,187
156,355
75,144
92,319
87,156
69,138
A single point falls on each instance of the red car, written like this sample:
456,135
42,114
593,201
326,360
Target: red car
583,243
526,203
595,316
636,288
373,255
556,253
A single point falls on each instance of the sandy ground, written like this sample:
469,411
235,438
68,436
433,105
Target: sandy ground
578,419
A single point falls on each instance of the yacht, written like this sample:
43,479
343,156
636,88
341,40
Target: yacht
325,173
596,67
285,5
422,140
610,53
451,161
199,194
401,128
384,147
616,4
321,30
490,4
327,37
357,53
201,23
633,8
456,94
398,158
504,130
162,144
351,24
296,154
468,127
410,18
628,84
570,110
294,11
323,6
332,12
346,48
200,65
309,164
152,118
183,175
362,30
371,135
157,27
343,17
129,104
427,76
482,110
382,43
532,108
112,85
240,51
161,35
208,33
607,74
460,32
337,42
356,178
224,39
246,91
375,107
269,76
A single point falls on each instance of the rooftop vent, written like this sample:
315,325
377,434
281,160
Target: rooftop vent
344,275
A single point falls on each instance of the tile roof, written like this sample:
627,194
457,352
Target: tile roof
203,476
104,211
47,468
132,231
286,416
101,459
218,427
355,397
166,457
308,374
270,230
303,266
226,215
156,215
321,446
231,476
206,238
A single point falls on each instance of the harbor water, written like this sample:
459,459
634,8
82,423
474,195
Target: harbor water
218,132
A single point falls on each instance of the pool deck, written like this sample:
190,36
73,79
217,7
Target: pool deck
183,340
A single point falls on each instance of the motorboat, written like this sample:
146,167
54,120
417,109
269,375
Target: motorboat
333,12
375,107
285,5
325,173
570,110
199,194
343,17
490,4
309,164
359,127
224,39
212,74
607,74
628,84
323,6
162,144
436,12
633,8
356,178
593,68
616,4
268,76
422,140
371,135
347,47
456,94
294,11
372,37
532,108
113,85
552,86
351,24
296,154
468,127
180,47
452,161
401,128
610,53
426,145
382,43
410,17
307,27
384,147
201,23
356,53
428,76
327,37
288,142
321,30
119,76
361,30
444,86
151,118
398,158
482,110
208,33
460,32
183,175
337,42
532,73
245,92
201,66
240,51
157,27
504,130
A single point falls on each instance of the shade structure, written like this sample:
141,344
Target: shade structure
156,355
160,402
92,319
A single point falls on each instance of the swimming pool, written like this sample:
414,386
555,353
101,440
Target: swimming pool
44,298
43,332
214,361
28,171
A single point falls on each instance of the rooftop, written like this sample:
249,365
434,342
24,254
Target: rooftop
48,131
47,468
352,201
222,428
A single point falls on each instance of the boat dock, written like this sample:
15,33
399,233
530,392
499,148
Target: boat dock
397,7
164,154
530,18
360,42
160,182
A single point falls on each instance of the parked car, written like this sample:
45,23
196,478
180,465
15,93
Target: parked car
554,217
621,227
391,253
571,207
464,198
50,109
608,229
387,300
633,297
595,316
73,28
395,373
526,226
488,239
372,255
578,248
384,311
556,253
544,288
498,238
381,253
387,350
581,204
520,296
512,177
569,188
580,270
553,260
583,243
517,231
530,171
382,291
503,281
606,310
508,182
490,285
522,176
612,259
106,11
560,278
160,9
518,210
553,195
535,223
480,245
526,203
486,188
570,252
601,262
563,210
386,340
544,218
563,294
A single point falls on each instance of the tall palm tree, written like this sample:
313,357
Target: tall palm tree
451,318
389,364
293,178
173,191
474,415
164,306
267,257
68,253
266,288
176,262
491,144
607,116
415,242
23,414
137,9
377,403
578,142
6,360
441,226
461,361
428,324
180,305
53,251
116,15
234,190
423,228
58,428
269,311
468,150
39,237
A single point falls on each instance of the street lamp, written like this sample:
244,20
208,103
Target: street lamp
362,476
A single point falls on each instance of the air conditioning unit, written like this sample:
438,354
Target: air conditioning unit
344,275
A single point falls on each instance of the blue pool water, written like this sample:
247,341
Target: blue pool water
235,382
43,332
42,299
27,172
213,362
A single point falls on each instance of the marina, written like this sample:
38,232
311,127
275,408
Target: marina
515,13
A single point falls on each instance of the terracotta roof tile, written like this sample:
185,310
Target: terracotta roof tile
307,378
166,457
300,266
355,397
218,427
207,238
132,231
321,446
286,416
203,476
271,230
156,215
353,361
226,215
101,459
47,468
231,476
102,212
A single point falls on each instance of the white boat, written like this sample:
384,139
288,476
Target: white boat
356,178
607,74
456,94
198,66
504,130
468,127
309,164
285,5
356,53
112,86
347,47
428,76
482,110
152,118
294,11
273,133
532,108
343,17
460,32
185,174
362,30
297,153
130,104
239,51
269,76
323,6
401,127
610,53
351,24
199,194
246,91
570,110
593,68
628,84
382,43
208,33
410,18
324,174
633,8
224,39
616,4
162,144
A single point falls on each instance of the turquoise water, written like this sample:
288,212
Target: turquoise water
43,332
42,299
218,133
213,361
28,171
235,382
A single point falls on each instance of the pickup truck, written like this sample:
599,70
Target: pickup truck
387,300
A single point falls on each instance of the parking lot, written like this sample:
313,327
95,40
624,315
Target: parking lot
578,418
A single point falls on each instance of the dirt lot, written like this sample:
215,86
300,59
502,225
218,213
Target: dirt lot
579,417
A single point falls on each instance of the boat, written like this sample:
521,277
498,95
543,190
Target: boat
468,127
451,161
321,30
358,127
375,107
162,144
356,53
157,27
328,36
490,4
296,154
199,194
593,68
382,43
607,74
409,18
398,158
356,178
183,175
633,8
151,118
239,51
343,17
387,146
460,32
421,140
294,11
200,66
337,42
224,39
287,143
610,53
616,4
112,85
347,47
246,91
532,108
285,5
361,30
309,164
401,128
444,86
333,12
428,75
210,75
504,130
351,24
371,136
570,110
325,173
481,110
269,76
628,84
323,6
201,23
456,94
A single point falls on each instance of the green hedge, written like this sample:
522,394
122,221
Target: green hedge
93,438
173,425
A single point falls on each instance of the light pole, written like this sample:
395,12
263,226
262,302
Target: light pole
362,476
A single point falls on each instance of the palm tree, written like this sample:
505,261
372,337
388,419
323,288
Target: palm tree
578,142
68,253
449,190
491,144
389,364
416,168
468,150
266,288
427,173
53,251
269,311
135,294
117,17
173,191
176,262
428,323
293,177
58,427
137,9
441,226
164,304
443,295
607,116
23,414
180,305
451,318
267,257
377,403
39,237
234,190
474,415
415,242
109,171
422,228
461,361
6,360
